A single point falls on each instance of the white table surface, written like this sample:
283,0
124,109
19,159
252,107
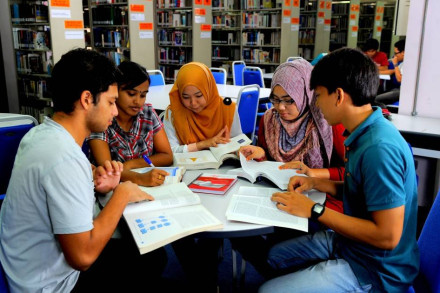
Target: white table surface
159,97
416,124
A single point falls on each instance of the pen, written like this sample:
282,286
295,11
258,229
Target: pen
147,159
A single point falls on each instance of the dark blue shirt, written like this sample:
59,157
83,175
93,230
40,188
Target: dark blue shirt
380,175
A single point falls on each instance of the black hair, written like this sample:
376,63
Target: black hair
350,70
80,70
371,44
133,75
400,45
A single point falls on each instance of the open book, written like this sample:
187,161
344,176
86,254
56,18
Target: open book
253,205
212,183
176,212
212,158
176,173
251,170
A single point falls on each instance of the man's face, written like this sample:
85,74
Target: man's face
101,115
370,53
400,55
327,104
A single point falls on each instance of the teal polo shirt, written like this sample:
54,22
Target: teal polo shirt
380,175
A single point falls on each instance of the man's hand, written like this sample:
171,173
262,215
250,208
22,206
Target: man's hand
135,194
252,152
294,203
107,177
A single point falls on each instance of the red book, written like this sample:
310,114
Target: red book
212,183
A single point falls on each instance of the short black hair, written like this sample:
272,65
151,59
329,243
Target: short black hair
349,69
400,45
133,75
371,44
80,70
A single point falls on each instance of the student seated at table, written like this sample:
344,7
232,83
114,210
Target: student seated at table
136,131
197,117
293,131
51,240
372,246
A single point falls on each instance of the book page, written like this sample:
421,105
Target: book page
270,170
165,196
232,146
195,160
154,229
253,205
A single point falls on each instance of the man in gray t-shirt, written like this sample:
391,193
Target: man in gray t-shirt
48,233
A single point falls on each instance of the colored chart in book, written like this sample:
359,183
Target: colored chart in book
212,183
150,225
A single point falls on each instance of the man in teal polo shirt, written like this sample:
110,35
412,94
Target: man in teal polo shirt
372,246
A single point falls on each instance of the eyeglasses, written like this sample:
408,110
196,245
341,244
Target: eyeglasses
279,101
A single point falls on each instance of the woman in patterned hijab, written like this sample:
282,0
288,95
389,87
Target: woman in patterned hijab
294,129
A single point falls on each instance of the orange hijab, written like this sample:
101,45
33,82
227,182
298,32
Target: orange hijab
191,127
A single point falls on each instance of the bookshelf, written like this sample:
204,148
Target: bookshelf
387,38
307,28
339,24
366,22
35,25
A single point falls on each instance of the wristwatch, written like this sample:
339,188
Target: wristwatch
317,210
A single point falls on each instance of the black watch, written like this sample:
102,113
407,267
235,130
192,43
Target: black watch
317,210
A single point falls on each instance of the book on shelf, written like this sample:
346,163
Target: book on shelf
175,173
213,183
253,205
174,213
251,170
212,158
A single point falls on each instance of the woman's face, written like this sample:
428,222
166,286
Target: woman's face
131,101
193,99
284,104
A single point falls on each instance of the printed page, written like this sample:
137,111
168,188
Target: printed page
195,160
165,196
232,146
270,170
155,229
253,205
241,173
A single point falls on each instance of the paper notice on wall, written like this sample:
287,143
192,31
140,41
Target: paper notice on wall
378,34
74,35
354,34
145,35
60,13
294,27
352,22
320,20
137,17
205,35
286,19
200,19
326,28
378,23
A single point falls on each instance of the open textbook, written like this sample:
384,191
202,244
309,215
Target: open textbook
176,173
253,205
251,170
212,158
176,212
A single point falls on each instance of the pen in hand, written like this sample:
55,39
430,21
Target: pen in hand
147,160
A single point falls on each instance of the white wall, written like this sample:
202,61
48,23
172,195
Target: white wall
421,79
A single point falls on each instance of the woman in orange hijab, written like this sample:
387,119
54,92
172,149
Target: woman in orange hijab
197,118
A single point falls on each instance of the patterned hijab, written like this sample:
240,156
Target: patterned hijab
301,138
194,127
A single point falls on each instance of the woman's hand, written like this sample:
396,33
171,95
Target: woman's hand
154,177
302,168
221,137
252,152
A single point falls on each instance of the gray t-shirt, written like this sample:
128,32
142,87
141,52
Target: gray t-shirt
50,192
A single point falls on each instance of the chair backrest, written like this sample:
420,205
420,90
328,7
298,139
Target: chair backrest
253,75
3,282
156,77
247,102
237,72
429,242
317,58
220,74
12,129
290,59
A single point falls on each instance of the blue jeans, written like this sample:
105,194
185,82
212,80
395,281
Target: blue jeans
320,268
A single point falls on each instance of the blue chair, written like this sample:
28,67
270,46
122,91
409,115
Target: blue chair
247,102
428,279
317,58
237,72
12,129
253,75
220,74
156,77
